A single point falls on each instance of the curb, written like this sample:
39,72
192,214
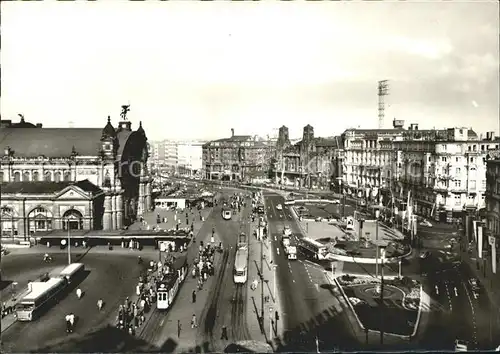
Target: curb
375,331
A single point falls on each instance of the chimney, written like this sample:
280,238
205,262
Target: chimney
492,136
232,132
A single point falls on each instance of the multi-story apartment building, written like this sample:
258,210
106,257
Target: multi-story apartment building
190,157
311,162
443,170
368,158
493,194
239,157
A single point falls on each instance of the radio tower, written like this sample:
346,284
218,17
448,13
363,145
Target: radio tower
383,90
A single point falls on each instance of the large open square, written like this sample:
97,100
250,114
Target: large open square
111,276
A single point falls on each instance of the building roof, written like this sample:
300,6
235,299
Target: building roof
51,142
372,131
471,134
235,138
46,187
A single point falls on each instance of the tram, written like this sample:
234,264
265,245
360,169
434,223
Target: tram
241,266
226,214
168,287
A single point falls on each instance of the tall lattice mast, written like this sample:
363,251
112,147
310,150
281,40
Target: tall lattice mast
383,90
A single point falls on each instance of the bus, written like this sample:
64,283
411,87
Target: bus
40,296
226,214
168,287
73,271
241,266
313,249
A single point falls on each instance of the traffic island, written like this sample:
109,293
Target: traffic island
392,308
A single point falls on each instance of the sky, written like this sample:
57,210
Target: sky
194,70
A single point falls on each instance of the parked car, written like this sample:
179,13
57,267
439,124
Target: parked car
279,207
335,201
425,223
425,255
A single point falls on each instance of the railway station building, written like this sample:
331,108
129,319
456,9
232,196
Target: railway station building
76,178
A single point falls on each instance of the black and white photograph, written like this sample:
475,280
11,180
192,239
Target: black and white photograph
249,176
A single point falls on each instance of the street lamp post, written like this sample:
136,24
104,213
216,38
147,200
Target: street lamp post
261,275
274,281
69,241
382,251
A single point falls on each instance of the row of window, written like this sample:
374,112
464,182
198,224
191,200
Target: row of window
36,176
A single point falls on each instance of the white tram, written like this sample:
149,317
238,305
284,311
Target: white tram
241,266
226,214
168,287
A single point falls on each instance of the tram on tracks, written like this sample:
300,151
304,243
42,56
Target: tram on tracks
168,286
226,214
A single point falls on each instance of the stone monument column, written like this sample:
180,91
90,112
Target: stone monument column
113,213
119,212
106,221
148,196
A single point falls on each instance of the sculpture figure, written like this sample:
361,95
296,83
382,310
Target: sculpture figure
125,110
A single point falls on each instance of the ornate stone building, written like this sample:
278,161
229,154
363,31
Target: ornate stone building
312,162
98,176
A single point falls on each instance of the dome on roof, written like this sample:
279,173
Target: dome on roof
108,130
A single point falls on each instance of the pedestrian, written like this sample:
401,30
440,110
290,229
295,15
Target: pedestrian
68,324
71,322
224,333
99,304
194,296
193,322
79,293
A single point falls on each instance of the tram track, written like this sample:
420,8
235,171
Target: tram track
239,314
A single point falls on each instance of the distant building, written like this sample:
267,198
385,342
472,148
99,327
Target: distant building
239,157
189,157
55,178
311,162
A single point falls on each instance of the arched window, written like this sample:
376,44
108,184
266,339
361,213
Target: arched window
47,176
73,219
57,176
17,176
26,176
36,176
67,176
8,221
40,219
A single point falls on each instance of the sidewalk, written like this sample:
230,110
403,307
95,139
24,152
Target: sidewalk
490,283
183,308
254,297
174,217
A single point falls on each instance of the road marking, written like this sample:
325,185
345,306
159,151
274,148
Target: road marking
317,287
473,313
275,239
278,251
161,322
448,295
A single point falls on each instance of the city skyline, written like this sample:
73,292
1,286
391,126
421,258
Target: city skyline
209,67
